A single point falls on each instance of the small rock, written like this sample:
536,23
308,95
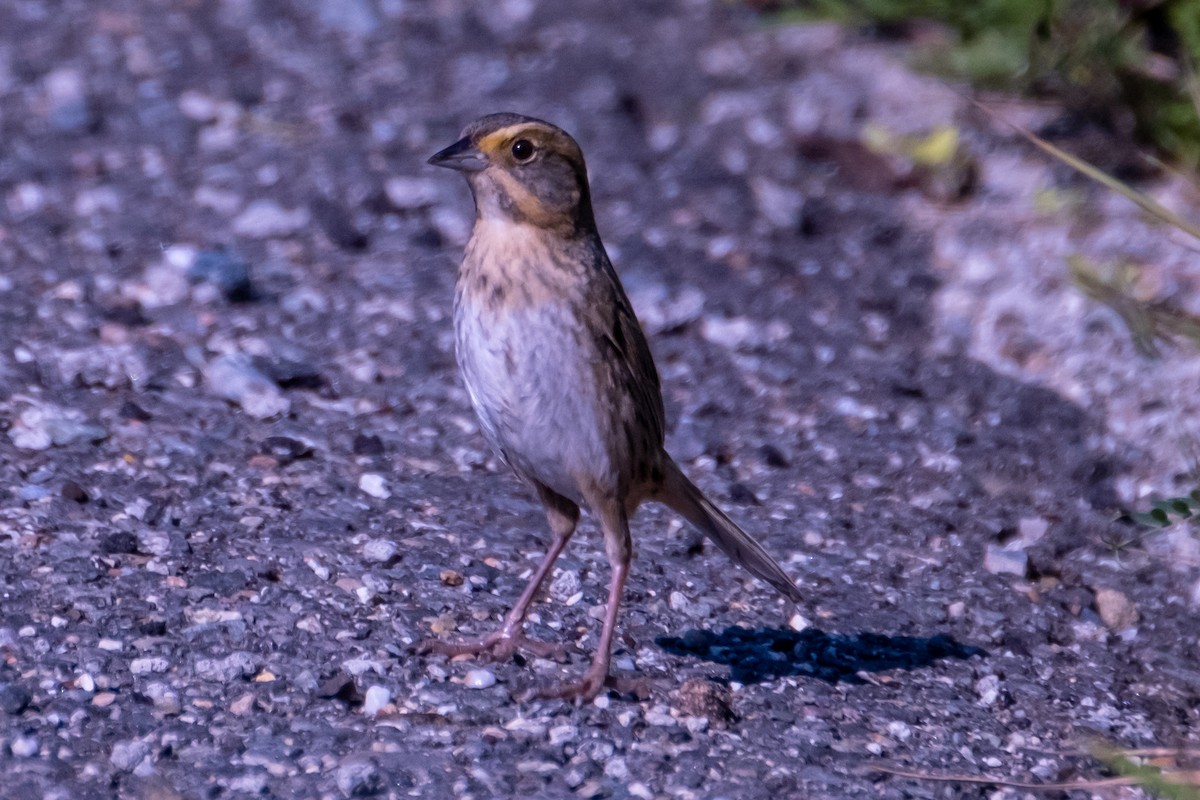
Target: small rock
225,670
24,746
255,783
742,332
32,493
233,378
337,224
988,689
242,705
226,271
376,698
1001,560
14,698
375,485
41,427
779,205
799,622
115,366
70,490
354,17
659,312
660,717
411,194
564,585
149,665
479,679
678,601
380,551
368,444
121,542
358,777
1031,530
700,697
266,219
1115,609
127,755
285,449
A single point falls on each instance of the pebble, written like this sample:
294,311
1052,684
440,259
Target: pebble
374,484
380,551
24,746
254,783
149,665
128,754
224,670
742,332
234,378
988,689
14,698
660,717
660,312
375,699
44,426
228,272
1032,529
358,777
1001,560
479,679
1116,610
564,585
355,17
266,219
411,194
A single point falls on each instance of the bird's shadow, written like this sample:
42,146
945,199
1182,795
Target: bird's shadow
759,654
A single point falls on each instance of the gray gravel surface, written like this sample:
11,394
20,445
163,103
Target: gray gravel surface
239,477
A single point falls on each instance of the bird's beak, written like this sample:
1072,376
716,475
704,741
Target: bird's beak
462,156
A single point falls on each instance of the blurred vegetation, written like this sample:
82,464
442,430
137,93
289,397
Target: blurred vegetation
1128,64
1163,772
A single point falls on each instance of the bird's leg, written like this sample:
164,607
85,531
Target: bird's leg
499,645
619,547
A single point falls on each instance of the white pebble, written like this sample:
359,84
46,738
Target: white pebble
379,551
377,697
480,679
375,485
145,666
24,746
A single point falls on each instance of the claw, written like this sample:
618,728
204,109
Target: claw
495,646
581,691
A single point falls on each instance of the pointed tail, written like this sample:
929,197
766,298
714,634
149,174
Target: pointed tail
685,499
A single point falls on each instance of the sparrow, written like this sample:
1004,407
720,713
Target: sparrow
560,373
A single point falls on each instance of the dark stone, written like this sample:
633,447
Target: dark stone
73,491
367,444
119,542
14,698
225,270
337,225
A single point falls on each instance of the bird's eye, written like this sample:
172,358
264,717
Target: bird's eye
522,149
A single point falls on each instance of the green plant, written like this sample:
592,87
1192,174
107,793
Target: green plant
1164,513
1128,63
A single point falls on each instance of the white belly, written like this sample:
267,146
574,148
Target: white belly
532,382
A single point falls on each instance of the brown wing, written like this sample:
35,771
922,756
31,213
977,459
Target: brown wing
636,373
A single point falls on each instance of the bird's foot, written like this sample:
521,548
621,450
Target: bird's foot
580,691
499,645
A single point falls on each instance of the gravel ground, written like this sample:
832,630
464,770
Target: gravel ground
239,477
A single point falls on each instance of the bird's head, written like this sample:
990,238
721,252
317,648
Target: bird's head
523,170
